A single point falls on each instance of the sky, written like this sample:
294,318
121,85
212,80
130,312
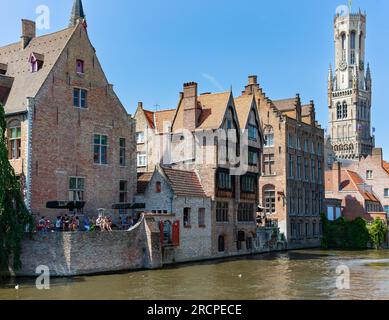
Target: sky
149,48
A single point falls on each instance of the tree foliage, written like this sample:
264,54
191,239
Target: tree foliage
14,216
378,231
343,234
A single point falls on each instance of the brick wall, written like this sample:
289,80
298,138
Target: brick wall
83,253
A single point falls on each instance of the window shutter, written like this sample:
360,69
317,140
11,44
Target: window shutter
176,233
161,227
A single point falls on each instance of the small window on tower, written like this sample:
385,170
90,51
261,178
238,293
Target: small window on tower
80,66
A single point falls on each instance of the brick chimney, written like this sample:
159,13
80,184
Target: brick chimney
28,32
253,80
191,109
337,175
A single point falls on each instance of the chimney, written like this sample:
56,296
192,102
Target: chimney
253,80
140,105
191,110
337,175
28,32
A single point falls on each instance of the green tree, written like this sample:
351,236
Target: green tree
14,216
378,231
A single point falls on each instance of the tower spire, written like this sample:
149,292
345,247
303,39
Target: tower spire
77,13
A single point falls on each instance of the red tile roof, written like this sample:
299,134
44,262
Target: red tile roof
385,165
358,181
150,118
184,183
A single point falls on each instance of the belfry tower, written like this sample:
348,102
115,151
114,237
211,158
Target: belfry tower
349,90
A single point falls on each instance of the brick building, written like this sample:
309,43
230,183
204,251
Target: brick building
291,188
70,138
357,196
177,202
375,171
193,138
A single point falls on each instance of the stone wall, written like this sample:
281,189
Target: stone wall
83,253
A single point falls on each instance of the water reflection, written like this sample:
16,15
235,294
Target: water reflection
290,275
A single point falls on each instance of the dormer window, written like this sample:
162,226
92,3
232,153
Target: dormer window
36,62
80,66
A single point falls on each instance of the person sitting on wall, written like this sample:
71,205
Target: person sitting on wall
66,222
58,224
86,223
41,224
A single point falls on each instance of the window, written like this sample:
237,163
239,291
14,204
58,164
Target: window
291,142
314,233
36,63
291,166
80,98
252,132
269,140
140,137
100,149
343,41
141,159
298,143
369,174
352,40
319,172
319,149
307,230
221,246
80,66
253,158
313,170
158,187
224,181
122,152
268,164
123,192
14,142
248,183
76,189
201,218
312,147
246,212
299,164
187,217
386,209
222,212
306,145
345,112
386,193
339,111
306,169
270,201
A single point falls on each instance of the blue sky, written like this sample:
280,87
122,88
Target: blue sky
149,48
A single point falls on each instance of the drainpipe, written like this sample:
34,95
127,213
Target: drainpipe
30,111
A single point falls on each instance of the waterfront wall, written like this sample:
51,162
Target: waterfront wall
83,253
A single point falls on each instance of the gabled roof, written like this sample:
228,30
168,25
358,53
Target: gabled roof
163,116
184,183
243,106
150,118
213,110
359,182
27,84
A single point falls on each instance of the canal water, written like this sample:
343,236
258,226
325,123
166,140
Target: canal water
308,274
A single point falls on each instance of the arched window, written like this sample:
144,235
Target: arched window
343,41
345,111
352,40
221,245
339,111
360,41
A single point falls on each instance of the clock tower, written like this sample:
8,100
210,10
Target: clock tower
349,90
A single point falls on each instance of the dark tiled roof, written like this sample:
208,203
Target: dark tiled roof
184,183
285,104
143,181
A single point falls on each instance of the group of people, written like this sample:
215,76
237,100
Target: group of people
72,223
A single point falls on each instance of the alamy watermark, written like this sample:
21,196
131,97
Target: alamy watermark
43,17
42,282
343,278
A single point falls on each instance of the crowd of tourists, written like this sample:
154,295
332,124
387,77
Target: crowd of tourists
74,223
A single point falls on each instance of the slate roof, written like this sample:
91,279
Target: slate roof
27,84
184,183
